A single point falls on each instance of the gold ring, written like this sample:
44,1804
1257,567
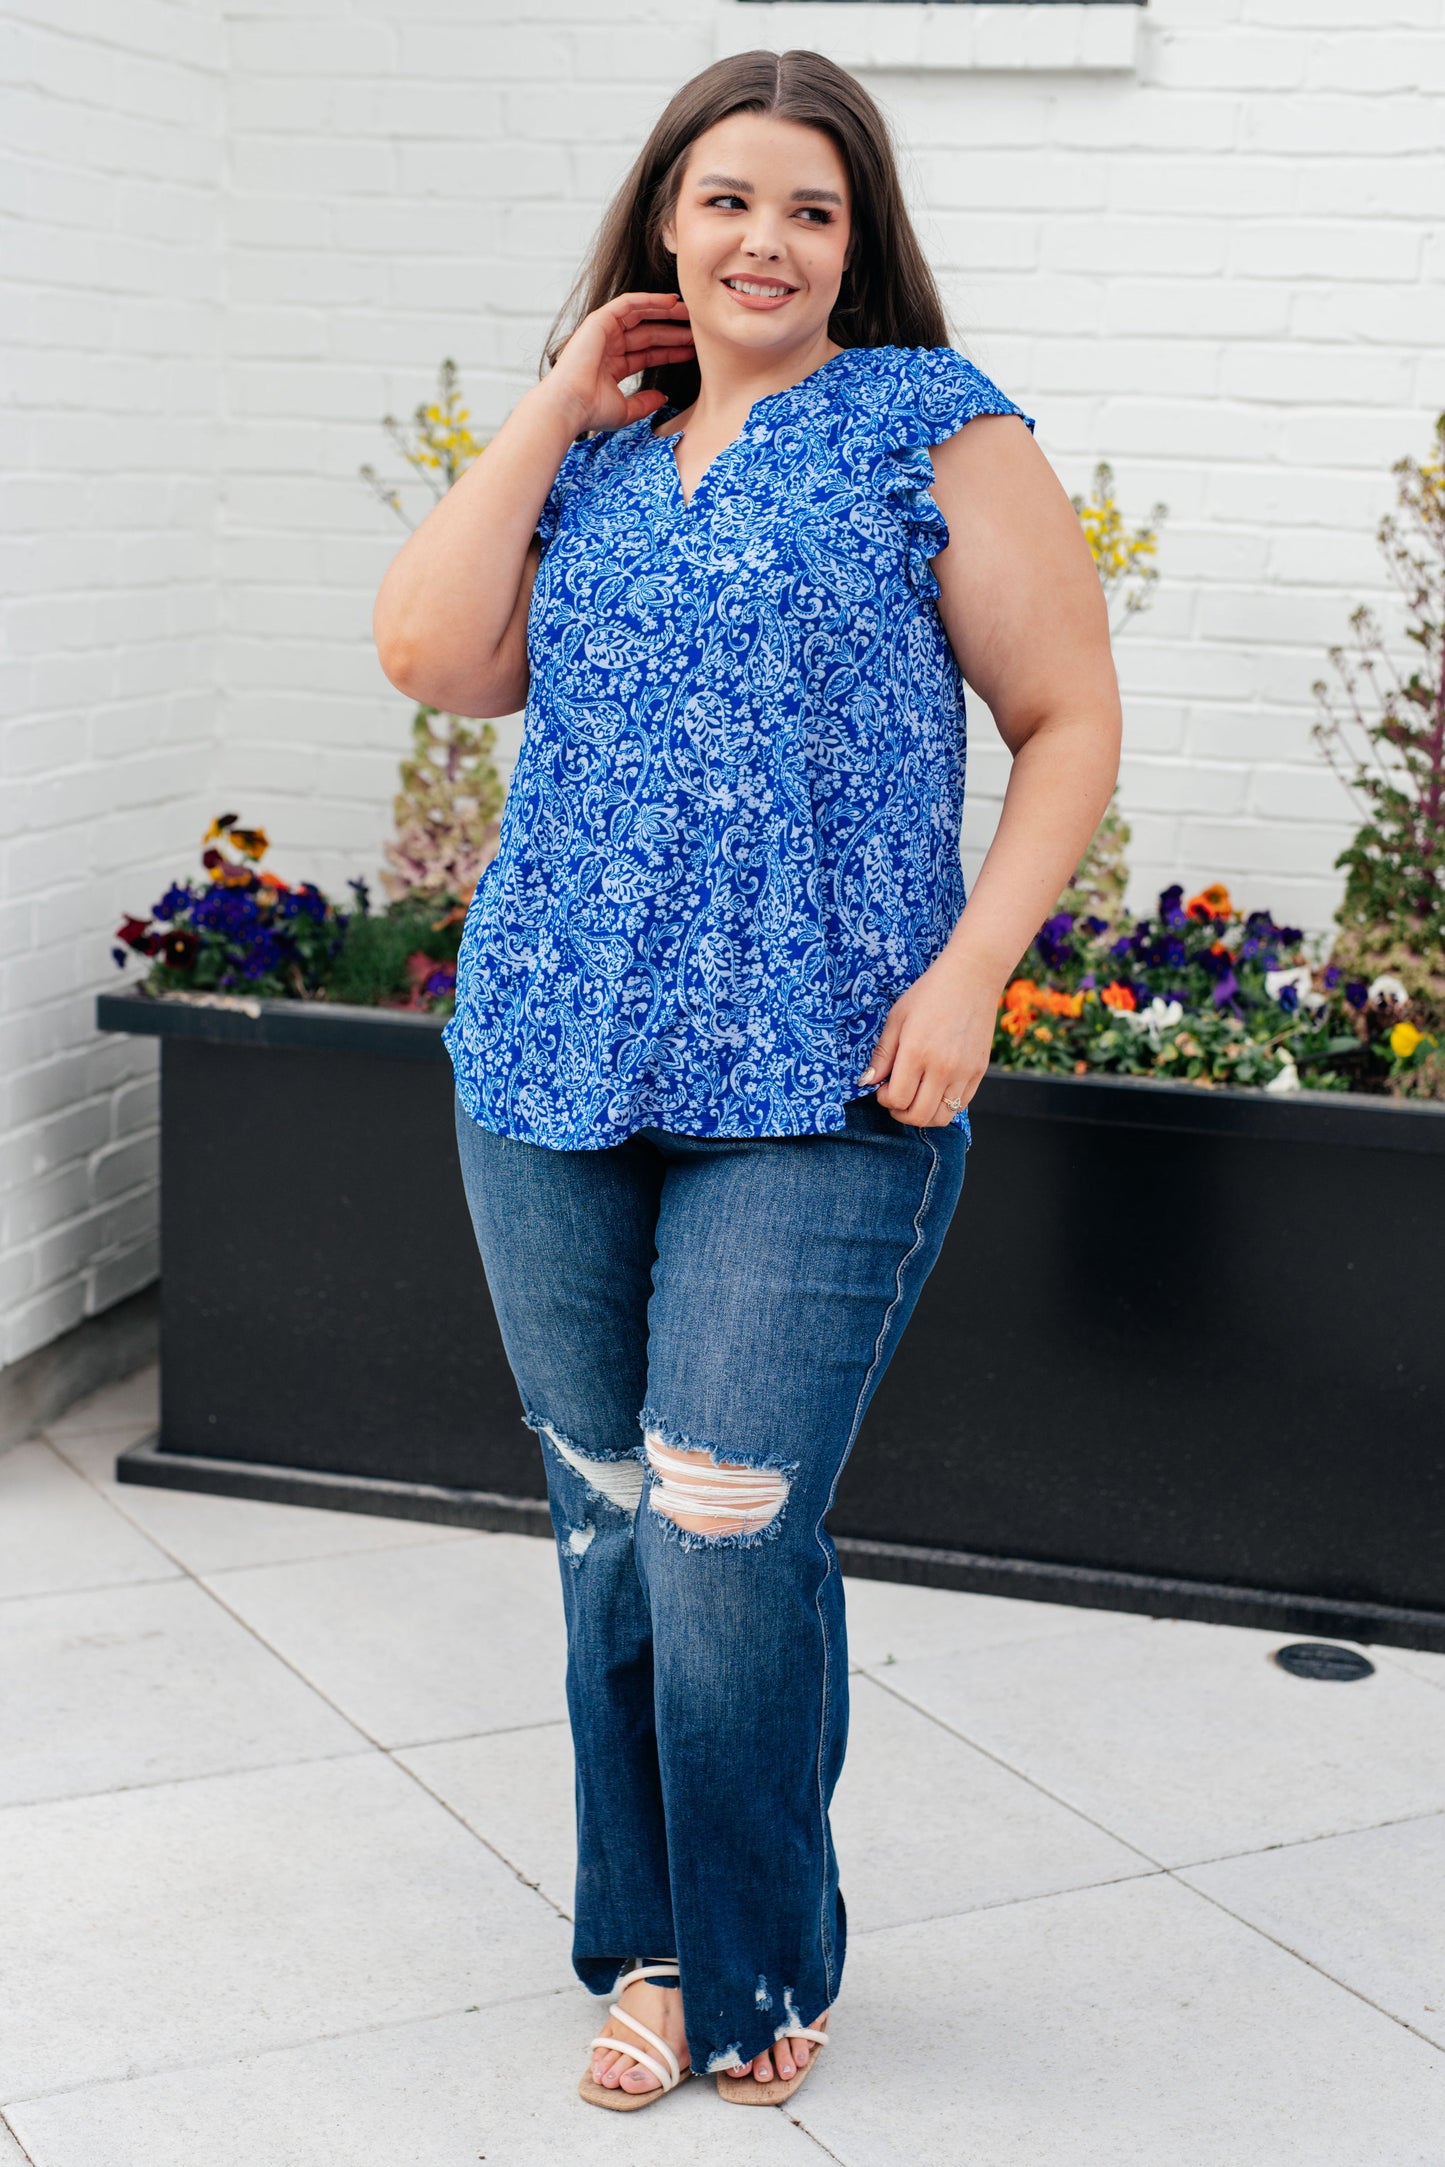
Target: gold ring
956,1104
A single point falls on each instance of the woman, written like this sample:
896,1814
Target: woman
720,1008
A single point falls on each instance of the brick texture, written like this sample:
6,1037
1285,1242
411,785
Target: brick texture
114,309
237,235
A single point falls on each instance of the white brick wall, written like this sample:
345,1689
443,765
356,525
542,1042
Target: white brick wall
112,298
240,233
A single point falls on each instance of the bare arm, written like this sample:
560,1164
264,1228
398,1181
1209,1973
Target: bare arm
450,619
1025,614
1024,610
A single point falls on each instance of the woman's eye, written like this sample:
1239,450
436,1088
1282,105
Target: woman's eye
814,213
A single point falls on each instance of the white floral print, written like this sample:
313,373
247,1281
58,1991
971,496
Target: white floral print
731,840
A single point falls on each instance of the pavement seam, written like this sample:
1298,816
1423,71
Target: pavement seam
9,2129
285,2046
456,1814
463,1738
319,1557
1298,1843
1309,1962
91,1587
811,2135
365,1751
1173,1873
322,1557
1002,1903
1360,1828
215,1595
380,1747
1154,1867
975,1745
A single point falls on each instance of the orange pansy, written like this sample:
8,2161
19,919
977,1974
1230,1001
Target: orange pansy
1211,902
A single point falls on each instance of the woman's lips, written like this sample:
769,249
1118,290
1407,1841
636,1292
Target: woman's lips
771,299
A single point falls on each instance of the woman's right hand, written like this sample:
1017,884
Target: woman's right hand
636,331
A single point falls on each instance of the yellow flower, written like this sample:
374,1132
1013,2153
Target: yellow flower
1404,1039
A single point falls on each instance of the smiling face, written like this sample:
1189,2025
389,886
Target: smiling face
761,232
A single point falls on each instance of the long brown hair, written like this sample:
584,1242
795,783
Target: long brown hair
888,296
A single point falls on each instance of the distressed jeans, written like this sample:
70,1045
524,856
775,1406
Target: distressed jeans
741,1297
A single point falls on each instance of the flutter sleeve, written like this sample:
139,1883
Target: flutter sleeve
571,476
935,391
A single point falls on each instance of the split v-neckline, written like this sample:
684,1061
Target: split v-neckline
668,443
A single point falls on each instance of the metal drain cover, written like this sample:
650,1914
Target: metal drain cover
1322,1659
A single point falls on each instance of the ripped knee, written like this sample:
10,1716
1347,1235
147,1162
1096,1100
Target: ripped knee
619,1481
706,1496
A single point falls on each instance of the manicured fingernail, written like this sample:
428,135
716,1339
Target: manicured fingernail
867,1076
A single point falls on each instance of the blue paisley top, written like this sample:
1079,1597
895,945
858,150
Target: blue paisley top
731,840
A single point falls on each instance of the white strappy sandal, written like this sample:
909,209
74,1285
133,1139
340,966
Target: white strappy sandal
668,2071
745,2091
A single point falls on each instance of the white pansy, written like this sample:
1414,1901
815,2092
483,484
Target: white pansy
1298,977
1158,1017
1287,1079
1387,988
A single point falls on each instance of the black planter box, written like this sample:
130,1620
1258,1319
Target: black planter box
1182,1352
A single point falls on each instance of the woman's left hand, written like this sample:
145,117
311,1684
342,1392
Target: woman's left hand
935,1044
